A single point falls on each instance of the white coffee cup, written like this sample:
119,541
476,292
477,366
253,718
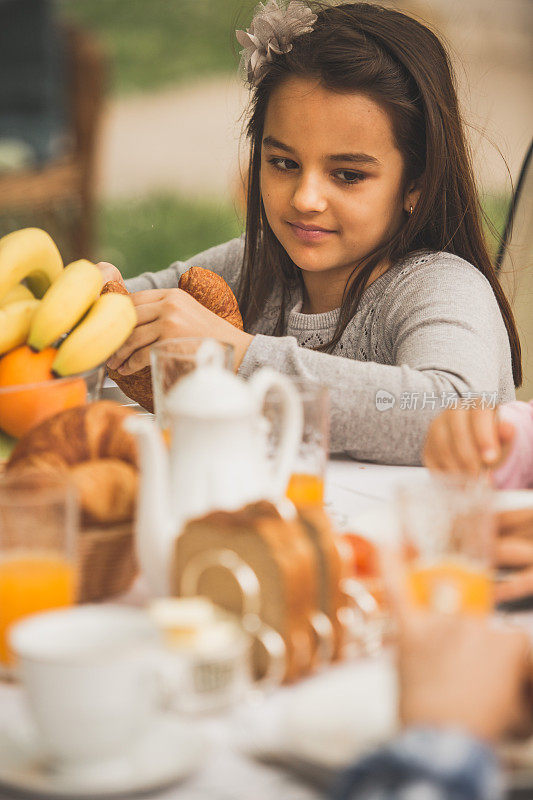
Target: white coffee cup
93,679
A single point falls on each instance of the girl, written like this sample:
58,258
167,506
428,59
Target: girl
363,265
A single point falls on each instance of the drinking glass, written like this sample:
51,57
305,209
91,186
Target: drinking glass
171,360
448,530
39,521
306,485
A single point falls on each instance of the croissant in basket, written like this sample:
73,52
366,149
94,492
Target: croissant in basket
207,288
89,445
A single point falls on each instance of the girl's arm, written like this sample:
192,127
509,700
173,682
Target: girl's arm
441,330
224,259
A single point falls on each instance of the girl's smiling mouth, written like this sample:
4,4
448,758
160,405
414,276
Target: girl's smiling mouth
309,233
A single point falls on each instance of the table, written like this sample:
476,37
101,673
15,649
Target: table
351,488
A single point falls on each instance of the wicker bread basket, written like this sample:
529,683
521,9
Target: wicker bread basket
106,561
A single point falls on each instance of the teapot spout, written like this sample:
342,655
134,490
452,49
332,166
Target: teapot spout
154,526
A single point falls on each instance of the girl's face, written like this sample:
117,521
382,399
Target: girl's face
331,176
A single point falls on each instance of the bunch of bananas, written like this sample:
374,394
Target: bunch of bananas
58,300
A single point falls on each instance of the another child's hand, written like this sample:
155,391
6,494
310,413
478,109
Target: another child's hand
462,671
110,272
514,549
454,669
169,314
467,441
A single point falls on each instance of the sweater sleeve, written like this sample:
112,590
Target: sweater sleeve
444,334
224,259
517,471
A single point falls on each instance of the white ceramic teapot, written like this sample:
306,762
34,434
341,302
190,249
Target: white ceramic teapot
218,455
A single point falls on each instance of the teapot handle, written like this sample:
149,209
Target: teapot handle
282,466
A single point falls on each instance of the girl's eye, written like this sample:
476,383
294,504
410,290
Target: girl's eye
283,164
349,176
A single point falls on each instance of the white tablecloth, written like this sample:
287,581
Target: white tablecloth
351,488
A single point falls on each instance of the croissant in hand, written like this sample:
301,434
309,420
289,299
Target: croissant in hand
211,291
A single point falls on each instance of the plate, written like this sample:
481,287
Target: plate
169,752
326,721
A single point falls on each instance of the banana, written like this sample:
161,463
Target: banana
28,253
65,303
18,292
15,321
100,334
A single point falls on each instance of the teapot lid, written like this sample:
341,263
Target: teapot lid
210,390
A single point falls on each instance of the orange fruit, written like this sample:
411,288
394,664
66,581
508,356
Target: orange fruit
22,409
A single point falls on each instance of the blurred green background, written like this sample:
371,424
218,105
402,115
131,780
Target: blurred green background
156,43
163,55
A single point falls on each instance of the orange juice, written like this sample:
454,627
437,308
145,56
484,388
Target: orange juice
452,585
31,582
306,490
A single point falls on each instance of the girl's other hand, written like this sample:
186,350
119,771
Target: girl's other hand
467,441
514,549
110,273
169,314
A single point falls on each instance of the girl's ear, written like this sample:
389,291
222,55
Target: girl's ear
411,197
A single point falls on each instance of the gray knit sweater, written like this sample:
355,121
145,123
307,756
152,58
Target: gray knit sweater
427,332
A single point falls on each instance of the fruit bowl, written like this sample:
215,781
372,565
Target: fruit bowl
23,406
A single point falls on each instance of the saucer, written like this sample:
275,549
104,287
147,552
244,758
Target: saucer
169,752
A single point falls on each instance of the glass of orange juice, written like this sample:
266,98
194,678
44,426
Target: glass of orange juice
448,530
306,485
38,534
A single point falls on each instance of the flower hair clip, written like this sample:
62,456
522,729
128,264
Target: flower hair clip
272,31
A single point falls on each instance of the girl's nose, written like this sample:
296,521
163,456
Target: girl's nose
308,196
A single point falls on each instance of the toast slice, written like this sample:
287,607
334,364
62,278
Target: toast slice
319,530
262,540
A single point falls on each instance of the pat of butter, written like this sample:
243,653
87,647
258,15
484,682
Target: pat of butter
182,618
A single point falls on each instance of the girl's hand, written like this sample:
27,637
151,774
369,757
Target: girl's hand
169,314
110,273
515,549
467,441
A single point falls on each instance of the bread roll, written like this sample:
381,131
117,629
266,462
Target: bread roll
207,288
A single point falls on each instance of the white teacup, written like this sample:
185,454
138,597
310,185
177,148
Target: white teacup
92,678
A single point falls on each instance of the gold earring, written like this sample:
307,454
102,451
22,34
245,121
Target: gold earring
410,210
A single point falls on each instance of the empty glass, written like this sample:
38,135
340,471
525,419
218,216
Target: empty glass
171,360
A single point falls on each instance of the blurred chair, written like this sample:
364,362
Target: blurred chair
515,268
57,192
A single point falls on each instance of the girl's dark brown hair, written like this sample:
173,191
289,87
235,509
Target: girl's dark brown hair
402,65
